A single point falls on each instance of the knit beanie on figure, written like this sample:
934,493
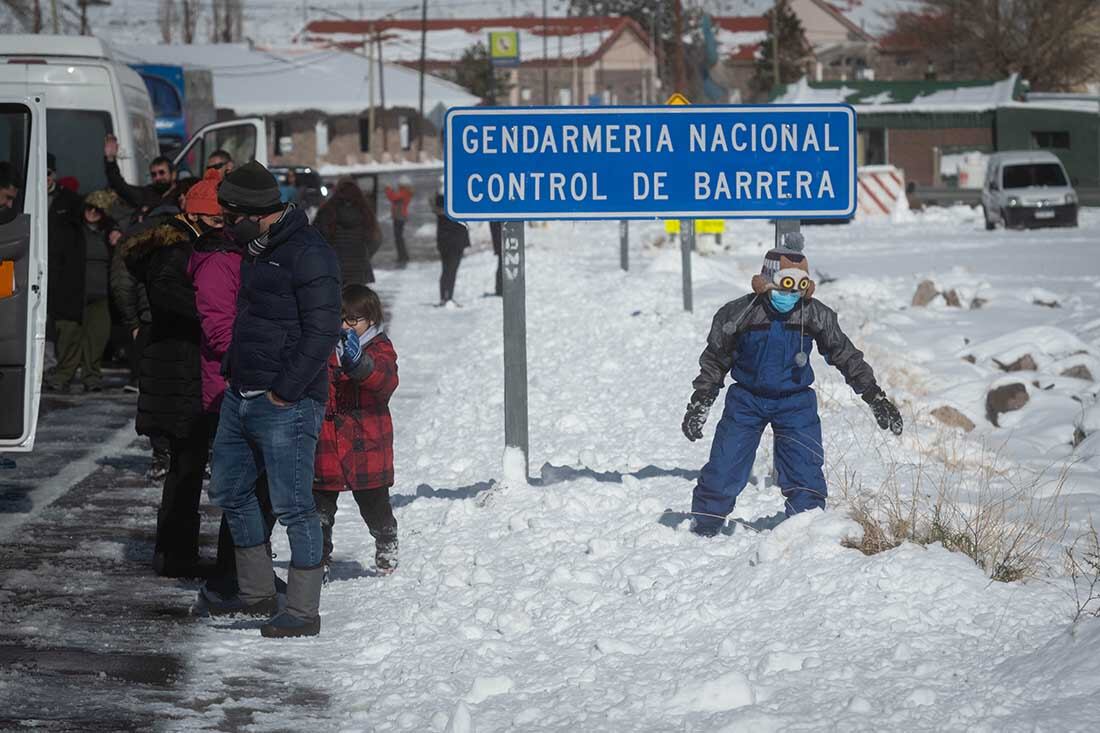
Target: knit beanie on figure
785,268
250,190
202,199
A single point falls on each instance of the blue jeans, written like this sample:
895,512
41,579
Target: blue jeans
254,436
799,455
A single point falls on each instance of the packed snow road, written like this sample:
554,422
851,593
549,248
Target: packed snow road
581,601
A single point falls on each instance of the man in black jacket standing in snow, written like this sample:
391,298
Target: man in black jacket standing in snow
287,325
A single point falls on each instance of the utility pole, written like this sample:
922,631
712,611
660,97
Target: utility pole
423,54
545,62
382,95
775,45
54,18
37,16
83,17
678,20
370,92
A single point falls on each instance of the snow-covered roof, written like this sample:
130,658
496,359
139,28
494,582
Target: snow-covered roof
333,81
904,96
29,44
446,39
739,37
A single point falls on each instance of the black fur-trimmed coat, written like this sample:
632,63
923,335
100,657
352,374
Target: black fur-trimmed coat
170,383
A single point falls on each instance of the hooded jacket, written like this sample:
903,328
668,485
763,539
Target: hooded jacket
288,313
170,397
215,270
68,256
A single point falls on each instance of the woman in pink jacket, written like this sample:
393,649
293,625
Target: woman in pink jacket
215,270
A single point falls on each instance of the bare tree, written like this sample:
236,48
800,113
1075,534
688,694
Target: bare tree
167,19
1051,43
228,22
192,9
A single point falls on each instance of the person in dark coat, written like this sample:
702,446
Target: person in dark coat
355,450
763,340
215,271
162,177
350,226
451,239
288,322
78,298
170,397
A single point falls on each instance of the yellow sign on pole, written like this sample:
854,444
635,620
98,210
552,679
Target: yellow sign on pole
677,99
504,48
702,226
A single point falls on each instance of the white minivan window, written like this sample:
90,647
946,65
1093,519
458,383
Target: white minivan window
1026,175
76,139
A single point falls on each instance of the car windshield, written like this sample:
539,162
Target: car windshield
1034,174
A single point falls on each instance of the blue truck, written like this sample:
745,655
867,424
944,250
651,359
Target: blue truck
183,101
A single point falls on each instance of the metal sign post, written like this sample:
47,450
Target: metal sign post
624,245
515,340
687,246
783,226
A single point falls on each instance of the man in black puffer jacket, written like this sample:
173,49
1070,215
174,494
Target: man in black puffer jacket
287,325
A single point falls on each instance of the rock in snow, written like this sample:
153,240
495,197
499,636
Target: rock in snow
926,293
1006,398
1024,364
1078,372
952,418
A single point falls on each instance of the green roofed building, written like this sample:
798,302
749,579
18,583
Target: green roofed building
927,128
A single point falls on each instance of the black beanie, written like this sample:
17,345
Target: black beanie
250,189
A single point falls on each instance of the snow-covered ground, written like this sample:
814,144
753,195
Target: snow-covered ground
581,601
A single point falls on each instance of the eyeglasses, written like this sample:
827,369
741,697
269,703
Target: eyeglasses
353,320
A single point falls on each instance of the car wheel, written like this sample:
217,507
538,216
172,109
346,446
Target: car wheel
989,225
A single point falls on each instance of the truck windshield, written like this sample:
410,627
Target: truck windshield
1034,174
76,140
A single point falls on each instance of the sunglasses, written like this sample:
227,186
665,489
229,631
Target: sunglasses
216,166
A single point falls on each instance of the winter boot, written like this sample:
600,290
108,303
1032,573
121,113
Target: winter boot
301,617
385,555
162,461
256,596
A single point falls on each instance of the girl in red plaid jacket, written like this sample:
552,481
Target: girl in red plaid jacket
355,448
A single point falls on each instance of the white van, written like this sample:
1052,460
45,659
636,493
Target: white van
22,265
1028,188
88,94
63,95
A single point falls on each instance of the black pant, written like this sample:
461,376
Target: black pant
451,258
177,543
374,508
496,230
399,240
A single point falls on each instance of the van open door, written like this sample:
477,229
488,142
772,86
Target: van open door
244,139
23,259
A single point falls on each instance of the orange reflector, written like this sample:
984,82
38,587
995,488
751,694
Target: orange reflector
7,279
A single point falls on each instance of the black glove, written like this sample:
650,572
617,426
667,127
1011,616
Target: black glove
696,415
886,414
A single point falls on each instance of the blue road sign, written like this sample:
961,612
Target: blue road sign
683,162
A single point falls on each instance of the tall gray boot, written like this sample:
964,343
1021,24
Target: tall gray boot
301,617
256,580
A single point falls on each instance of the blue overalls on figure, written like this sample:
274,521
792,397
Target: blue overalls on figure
763,341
